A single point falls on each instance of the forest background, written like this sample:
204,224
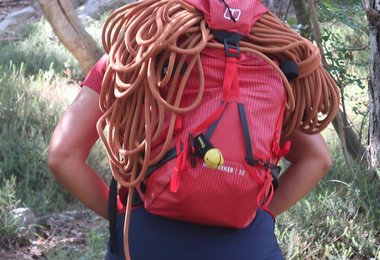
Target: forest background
39,78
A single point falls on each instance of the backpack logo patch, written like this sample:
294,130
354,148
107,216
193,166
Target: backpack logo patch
234,12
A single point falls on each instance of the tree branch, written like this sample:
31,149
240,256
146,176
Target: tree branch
317,31
66,25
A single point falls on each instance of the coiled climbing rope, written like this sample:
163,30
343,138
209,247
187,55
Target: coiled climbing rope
143,37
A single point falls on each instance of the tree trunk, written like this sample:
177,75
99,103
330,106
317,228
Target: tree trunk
302,15
66,25
373,14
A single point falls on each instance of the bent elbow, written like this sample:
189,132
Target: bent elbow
328,163
325,164
58,158
54,161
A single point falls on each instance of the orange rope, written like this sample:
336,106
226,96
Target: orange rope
140,37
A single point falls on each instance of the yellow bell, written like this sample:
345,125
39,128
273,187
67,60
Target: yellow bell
213,158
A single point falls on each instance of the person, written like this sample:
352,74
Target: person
71,144
157,237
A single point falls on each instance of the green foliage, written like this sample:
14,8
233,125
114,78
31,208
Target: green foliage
96,241
34,89
338,220
345,42
346,11
38,51
27,122
8,202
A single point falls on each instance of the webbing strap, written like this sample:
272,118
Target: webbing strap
211,119
170,154
112,214
274,170
230,89
247,138
210,131
268,184
179,167
231,80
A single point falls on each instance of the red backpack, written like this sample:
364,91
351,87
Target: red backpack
223,164
216,164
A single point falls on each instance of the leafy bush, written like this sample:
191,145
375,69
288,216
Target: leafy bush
38,80
27,122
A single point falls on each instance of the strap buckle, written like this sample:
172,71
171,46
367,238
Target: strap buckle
275,171
230,41
232,49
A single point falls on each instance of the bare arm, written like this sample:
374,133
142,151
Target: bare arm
310,160
69,148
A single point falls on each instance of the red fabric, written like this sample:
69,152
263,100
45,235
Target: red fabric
231,82
199,190
94,78
227,196
217,16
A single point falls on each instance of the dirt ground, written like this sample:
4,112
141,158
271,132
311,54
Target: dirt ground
57,236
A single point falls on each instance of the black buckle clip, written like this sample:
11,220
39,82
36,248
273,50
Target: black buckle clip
275,171
230,40
232,48
190,139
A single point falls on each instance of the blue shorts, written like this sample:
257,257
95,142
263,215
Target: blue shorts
155,237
